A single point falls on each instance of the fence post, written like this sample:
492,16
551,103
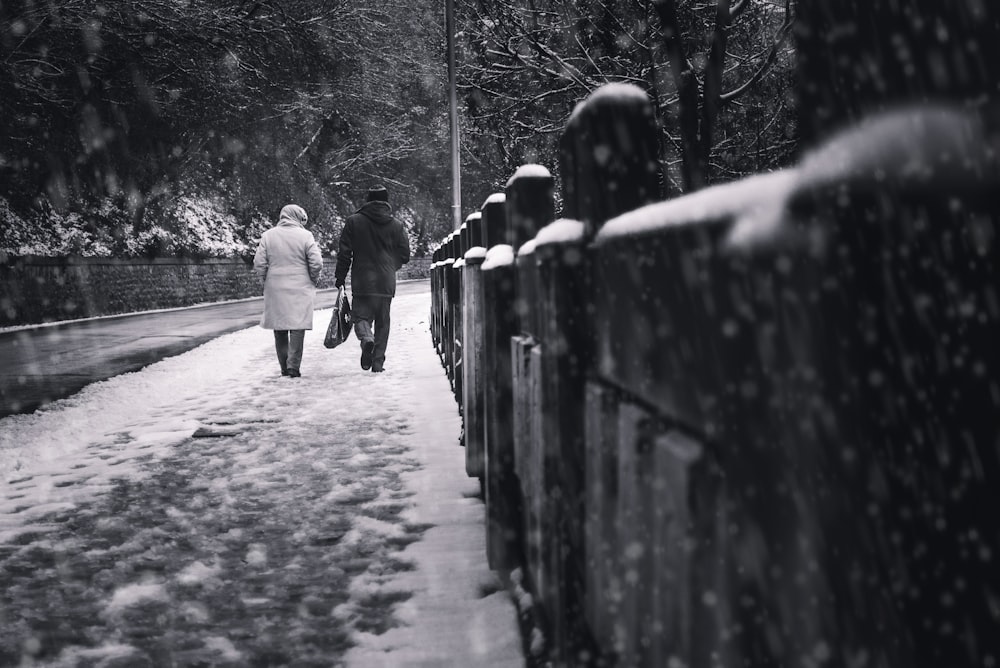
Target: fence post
561,330
455,301
530,194
608,156
448,345
609,166
442,299
473,357
461,241
494,217
908,232
474,222
530,206
503,515
435,298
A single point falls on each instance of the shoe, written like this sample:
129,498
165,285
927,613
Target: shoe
284,372
294,373
367,350
377,368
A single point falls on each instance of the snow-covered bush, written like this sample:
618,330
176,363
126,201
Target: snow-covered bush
407,217
15,232
191,224
46,231
204,227
196,225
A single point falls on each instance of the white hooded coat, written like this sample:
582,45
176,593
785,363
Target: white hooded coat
289,262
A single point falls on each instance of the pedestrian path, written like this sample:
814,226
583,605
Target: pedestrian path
207,511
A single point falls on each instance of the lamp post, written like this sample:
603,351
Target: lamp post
456,165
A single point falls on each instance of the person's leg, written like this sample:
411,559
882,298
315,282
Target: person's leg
296,339
382,322
363,312
281,347
363,329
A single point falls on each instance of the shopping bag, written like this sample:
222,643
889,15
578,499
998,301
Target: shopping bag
340,324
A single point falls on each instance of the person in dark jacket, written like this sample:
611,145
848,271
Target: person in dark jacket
373,246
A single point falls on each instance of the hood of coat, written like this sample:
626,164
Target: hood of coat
293,214
379,213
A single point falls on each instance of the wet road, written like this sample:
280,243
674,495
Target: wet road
44,364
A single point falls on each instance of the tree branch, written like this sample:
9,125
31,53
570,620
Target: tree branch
779,39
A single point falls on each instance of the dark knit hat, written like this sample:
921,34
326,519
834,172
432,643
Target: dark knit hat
377,194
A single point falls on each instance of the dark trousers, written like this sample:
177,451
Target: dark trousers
288,345
371,321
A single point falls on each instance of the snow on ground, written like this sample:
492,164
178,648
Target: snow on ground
342,469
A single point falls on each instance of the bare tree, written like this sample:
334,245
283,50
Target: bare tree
700,95
526,64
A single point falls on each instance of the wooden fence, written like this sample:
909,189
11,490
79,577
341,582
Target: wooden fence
758,425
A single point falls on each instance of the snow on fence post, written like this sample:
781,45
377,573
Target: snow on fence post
530,206
503,517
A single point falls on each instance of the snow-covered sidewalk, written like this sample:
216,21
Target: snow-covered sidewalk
205,509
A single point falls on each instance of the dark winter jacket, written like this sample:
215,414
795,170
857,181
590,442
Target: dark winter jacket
373,246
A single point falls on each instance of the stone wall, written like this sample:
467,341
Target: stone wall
47,289
417,268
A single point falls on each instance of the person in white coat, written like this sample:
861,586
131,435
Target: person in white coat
289,262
